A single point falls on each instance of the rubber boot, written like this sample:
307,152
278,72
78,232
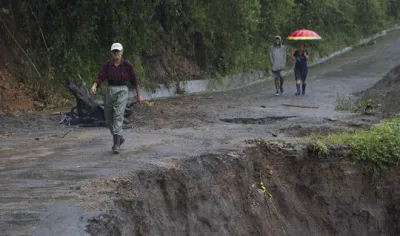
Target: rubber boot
304,89
117,143
121,140
298,89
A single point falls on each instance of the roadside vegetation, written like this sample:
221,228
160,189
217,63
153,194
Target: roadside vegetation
378,146
50,41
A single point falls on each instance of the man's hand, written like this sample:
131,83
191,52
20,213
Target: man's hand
94,88
139,99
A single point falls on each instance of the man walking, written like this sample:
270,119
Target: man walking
277,56
118,72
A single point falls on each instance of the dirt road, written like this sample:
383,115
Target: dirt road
45,168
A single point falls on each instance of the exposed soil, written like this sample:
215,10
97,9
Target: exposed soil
386,93
173,113
14,96
221,195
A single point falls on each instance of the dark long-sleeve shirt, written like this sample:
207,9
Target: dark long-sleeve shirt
117,75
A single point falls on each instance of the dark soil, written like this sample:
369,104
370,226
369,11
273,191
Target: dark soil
386,93
173,113
27,122
221,195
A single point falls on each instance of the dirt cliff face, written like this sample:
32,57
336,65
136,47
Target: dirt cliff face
221,195
386,93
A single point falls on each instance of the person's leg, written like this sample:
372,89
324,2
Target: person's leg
303,80
275,77
281,85
277,83
108,111
297,74
121,95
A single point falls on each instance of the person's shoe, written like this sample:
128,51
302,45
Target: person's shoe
298,89
282,92
277,93
117,143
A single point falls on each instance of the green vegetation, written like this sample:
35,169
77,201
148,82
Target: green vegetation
64,39
320,148
378,146
354,104
346,103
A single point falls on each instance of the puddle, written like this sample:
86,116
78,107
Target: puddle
257,121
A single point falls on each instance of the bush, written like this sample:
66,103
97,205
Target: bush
378,146
71,38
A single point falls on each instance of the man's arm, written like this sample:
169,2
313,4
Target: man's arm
271,58
100,78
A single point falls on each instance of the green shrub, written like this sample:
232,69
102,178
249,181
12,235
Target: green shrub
378,146
225,36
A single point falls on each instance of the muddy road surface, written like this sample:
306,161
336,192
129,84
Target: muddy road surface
57,180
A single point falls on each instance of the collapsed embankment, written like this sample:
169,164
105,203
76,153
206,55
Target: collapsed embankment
386,93
221,195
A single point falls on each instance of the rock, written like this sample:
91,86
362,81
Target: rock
158,124
5,85
330,119
371,42
38,104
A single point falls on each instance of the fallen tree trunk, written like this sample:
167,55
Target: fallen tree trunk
87,112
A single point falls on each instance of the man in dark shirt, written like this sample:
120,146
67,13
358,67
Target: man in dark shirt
117,72
300,69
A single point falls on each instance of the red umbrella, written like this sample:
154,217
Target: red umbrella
304,34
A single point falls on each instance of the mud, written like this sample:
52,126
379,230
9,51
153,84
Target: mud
384,94
260,121
184,171
221,195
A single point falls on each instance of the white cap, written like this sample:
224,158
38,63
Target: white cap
116,46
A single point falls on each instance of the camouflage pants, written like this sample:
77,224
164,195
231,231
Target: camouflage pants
114,108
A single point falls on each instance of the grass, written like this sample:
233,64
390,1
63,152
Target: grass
351,103
320,147
378,147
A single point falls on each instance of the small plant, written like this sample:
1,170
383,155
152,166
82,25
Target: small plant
351,103
346,103
320,148
366,106
180,91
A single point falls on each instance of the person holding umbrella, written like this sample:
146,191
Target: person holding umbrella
300,69
302,57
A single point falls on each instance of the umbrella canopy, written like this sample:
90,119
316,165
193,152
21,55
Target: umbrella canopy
304,34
